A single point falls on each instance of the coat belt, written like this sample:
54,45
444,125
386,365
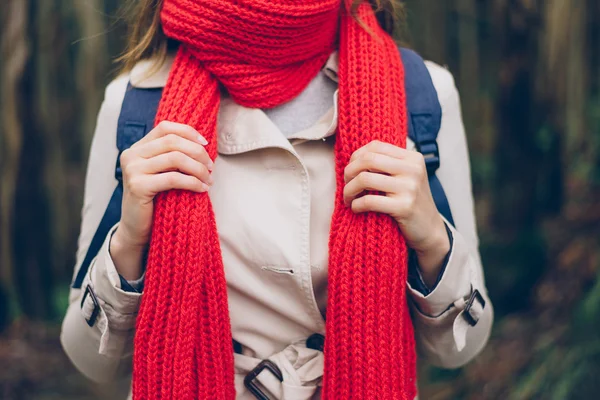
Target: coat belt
300,366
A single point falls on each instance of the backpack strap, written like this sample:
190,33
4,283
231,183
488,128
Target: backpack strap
424,121
135,121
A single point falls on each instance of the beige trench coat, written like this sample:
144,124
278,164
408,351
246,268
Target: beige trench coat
273,199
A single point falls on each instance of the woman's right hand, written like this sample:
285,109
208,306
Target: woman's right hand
170,156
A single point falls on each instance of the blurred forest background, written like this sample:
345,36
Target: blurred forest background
529,75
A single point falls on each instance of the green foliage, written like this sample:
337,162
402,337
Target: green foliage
567,368
61,300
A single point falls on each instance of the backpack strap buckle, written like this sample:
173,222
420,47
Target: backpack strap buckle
431,153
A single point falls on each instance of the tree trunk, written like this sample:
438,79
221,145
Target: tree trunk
52,85
517,119
14,51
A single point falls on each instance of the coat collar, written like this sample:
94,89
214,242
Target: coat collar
241,129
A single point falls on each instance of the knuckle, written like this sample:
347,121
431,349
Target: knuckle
170,140
126,172
368,158
134,184
347,172
377,145
401,212
176,158
398,186
345,191
363,178
170,159
125,157
188,129
403,207
411,187
198,152
199,186
419,159
368,201
409,204
421,170
172,179
203,171
163,126
419,156
129,170
199,172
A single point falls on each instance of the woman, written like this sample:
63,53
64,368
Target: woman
309,210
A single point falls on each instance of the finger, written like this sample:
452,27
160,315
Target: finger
167,127
369,181
174,180
177,161
373,202
374,162
171,143
380,147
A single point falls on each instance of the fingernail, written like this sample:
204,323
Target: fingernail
205,187
202,140
210,180
210,165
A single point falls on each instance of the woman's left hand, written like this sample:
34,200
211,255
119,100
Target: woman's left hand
401,177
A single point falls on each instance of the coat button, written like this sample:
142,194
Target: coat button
316,341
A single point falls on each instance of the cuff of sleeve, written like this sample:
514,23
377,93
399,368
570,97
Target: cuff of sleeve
473,310
136,286
454,282
121,306
106,307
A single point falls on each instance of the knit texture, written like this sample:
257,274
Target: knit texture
264,53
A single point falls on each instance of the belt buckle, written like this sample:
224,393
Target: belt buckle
252,375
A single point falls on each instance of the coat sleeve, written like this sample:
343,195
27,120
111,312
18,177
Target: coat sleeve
453,322
97,330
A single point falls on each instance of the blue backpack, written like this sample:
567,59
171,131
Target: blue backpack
139,110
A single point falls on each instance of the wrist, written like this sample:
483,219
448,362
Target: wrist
127,255
431,255
129,240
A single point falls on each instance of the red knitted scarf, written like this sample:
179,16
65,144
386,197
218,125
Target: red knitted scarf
264,53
